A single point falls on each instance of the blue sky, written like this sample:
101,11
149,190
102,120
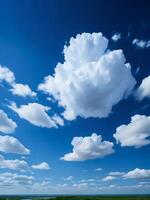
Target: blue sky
47,143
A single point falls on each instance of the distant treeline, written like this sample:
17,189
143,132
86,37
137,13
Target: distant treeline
129,197
138,197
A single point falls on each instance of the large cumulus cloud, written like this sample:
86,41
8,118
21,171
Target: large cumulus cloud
92,78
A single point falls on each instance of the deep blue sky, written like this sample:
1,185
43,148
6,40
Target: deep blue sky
32,36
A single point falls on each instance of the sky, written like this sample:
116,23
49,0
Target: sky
75,94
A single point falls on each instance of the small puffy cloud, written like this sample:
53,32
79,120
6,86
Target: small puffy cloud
116,36
98,169
92,71
13,164
136,133
7,125
90,147
141,43
41,166
144,89
6,75
34,113
12,145
108,178
16,88
137,174
22,90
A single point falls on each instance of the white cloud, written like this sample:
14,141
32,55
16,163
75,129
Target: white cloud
136,133
87,83
80,185
13,164
141,43
144,89
6,75
69,178
13,179
41,166
98,169
58,120
137,174
17,89
34,113
108,178
90,147
42,186
116,36
116,173
12,145
7,125
22,90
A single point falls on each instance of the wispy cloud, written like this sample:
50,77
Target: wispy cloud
141,43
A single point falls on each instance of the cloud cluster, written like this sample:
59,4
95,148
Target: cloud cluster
17,89
13,179
87,83
21,165
141,43
41,166
136,133
113,176
13,164
36,114
144,89
7,125
116,36
90,147
137,174
12,145
133,174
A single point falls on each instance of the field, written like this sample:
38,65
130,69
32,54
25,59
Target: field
129,197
